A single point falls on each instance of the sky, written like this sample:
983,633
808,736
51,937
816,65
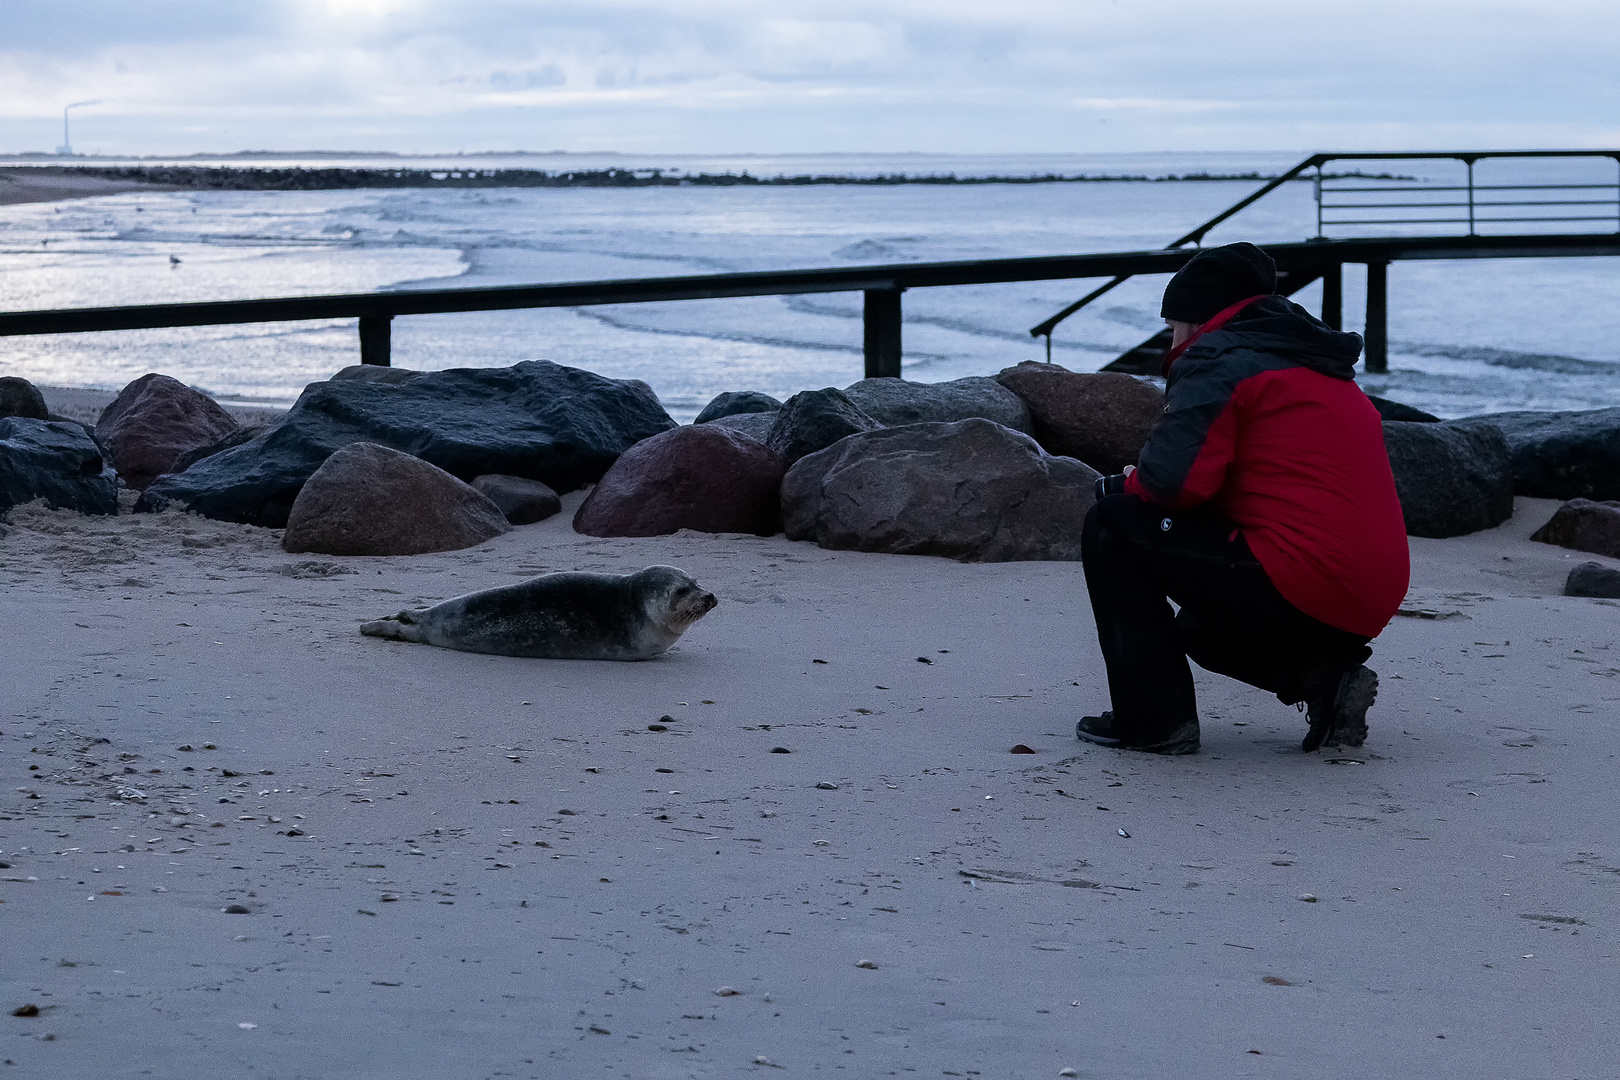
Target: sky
814,76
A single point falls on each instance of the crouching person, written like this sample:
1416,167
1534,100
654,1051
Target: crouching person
1262,505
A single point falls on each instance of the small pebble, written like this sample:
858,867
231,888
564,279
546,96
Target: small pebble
656,727
295,831
824,786
1125,834
727,991
1022,749
1307,897
177,821
209,746
187,747
1067,1072
236,909
247,1026
666,719
867,964
924,660
780,750
27,1010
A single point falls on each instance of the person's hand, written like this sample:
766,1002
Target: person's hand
1113,485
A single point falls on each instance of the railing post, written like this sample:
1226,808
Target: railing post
1376,334
883,333
1333,296
375,344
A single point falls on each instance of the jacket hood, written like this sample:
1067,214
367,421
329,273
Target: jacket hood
1281,327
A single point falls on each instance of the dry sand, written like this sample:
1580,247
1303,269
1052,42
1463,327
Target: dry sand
49,183
503,871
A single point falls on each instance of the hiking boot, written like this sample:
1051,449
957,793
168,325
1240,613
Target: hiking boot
1340,718
1103,731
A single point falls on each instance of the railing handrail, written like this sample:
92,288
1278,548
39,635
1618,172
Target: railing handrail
1316,161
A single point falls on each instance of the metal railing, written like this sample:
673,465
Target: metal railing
1472,204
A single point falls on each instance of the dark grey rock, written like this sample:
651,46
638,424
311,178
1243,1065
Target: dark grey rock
1593,579
736,403
19,397
369,500
1561,455
815,419
973,490
1451,480
392,376
524,502
892,402
1584,525
57,462
538,420
245,433
756,426
153,421
1394,410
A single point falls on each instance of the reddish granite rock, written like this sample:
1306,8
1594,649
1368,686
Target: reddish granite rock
704,477
1584,525
1102,419
369,500
153,421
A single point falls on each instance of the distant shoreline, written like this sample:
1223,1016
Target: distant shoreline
52,183
230,178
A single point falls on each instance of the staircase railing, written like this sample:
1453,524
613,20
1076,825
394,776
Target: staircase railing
1470,204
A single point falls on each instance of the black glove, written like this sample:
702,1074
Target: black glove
1110,485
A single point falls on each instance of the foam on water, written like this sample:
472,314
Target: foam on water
1466,336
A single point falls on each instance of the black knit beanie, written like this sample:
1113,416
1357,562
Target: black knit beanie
1215,279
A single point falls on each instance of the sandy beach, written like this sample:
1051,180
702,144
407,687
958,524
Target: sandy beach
193,726
50,183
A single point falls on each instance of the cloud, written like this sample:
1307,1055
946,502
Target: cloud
187,75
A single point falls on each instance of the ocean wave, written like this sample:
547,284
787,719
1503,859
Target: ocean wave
1510,358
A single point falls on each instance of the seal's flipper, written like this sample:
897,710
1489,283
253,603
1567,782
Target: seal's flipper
401,627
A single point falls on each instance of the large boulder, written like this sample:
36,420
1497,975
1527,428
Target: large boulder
1451,480
704,477
56,461
973,490
892,402
539,420
737,403
243,433
1593,579
524,502
369,500
153,421
1395,410
815,419
19,397
755,425
1103,419
1584,525
1561,455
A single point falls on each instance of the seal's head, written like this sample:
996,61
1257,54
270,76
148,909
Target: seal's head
671,598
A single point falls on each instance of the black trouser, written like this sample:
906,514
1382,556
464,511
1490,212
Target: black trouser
1232,621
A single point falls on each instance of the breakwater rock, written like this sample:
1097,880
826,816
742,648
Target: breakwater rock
1584,525
154,421
1451,479
54,460
972,490
1561,455
1101,419
704,477
538,420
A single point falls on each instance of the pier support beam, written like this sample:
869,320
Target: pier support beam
1333,296
375,343
883,333
1376,334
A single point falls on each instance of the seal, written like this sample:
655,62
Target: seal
567,616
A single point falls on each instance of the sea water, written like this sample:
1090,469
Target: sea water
1466,336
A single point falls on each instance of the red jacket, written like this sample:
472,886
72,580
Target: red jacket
1264,420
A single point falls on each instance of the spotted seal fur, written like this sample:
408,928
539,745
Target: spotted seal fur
566,616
